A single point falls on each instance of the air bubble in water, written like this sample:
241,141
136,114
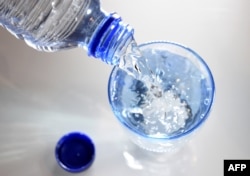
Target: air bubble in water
206,101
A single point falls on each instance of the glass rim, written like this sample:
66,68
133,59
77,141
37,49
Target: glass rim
199,123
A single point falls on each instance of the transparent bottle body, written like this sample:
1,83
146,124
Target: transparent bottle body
51,25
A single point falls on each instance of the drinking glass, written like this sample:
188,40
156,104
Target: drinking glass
161,116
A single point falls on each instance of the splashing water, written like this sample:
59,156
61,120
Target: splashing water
136,65
156,106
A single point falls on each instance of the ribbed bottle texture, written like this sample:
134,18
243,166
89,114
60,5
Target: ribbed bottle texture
52,25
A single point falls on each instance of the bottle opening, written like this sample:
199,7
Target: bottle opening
109,39
99,34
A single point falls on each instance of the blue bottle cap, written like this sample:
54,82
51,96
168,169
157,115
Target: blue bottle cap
75,152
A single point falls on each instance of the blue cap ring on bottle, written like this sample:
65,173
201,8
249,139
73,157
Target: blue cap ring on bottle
75,152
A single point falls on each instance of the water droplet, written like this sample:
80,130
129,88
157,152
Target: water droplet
202,116
206,101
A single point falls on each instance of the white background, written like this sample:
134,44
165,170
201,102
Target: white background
45,95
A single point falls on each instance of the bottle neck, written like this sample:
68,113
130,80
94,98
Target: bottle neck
110,40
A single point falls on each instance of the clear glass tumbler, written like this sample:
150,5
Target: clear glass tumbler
163,121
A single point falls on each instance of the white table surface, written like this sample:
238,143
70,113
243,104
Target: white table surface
45,95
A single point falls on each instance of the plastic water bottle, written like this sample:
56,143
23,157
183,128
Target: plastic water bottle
52,25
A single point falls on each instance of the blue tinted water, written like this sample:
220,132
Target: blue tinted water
163,101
